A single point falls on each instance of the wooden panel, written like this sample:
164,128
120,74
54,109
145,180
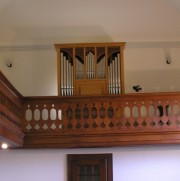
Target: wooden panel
90,87
10,113
100,139
102,121
77,161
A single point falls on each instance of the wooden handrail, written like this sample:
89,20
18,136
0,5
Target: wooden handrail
88,121
142,118
10,113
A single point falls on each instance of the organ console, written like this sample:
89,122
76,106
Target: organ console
90,69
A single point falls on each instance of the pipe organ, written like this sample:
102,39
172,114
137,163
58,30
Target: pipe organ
90,69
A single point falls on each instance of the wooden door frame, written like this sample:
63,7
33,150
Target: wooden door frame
106,159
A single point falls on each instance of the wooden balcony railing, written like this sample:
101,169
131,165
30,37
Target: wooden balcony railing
10,114
127,119
95,121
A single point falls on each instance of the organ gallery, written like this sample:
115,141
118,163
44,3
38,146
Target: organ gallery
90,69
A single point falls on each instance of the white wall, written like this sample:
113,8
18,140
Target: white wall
34,70
151,163
146,65
34,73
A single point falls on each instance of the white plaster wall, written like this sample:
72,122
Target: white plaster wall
147,67
157,163
34,72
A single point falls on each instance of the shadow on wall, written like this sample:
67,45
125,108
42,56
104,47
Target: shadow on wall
62,34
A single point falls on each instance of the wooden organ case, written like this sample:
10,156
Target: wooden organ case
90,69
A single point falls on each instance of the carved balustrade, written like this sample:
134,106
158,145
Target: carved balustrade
10,114
102,120
88,121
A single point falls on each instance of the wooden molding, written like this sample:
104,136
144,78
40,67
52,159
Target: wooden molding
100,140
100,121
88,121
10,114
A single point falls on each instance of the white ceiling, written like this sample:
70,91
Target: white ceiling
63,21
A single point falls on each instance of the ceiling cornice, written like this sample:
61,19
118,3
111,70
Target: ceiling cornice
29,47
161,44
26,47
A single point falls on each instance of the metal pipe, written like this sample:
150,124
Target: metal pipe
113,83
99,69
93,67
64,75
67,76
90,65
72,87
116,77
119,74
103,67
77,69
87,70
109,80
62,79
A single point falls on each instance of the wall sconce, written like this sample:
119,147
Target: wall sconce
168,59
167,55
9,64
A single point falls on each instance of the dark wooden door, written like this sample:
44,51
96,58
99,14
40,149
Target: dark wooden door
89,168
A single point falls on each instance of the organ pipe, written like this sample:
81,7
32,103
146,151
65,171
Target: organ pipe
66,76
114,75
90,66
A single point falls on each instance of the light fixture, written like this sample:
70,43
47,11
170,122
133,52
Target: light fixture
9,64
168,59
167,54
4,146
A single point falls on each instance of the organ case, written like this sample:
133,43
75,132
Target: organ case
90,69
